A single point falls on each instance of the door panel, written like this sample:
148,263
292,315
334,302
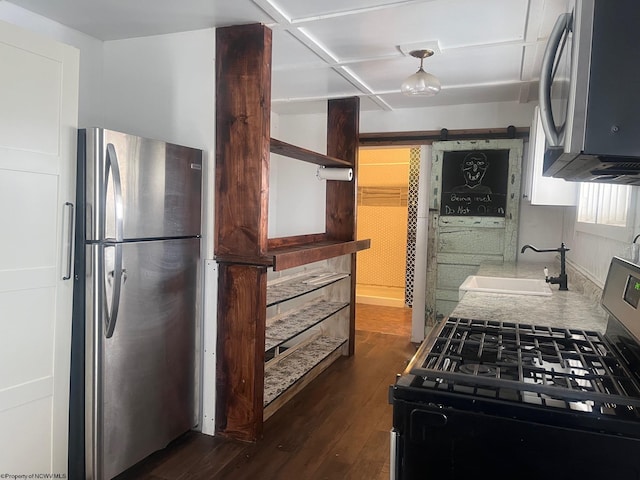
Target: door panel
449,277
471,240
39,95
29,323
30,94
28,455
22,245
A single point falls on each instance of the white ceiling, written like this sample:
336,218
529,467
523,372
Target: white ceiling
489,50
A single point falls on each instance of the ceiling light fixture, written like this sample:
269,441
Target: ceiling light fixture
421,82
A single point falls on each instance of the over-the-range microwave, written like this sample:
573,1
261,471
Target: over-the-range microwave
590,93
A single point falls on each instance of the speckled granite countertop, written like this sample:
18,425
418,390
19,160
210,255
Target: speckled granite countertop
571,309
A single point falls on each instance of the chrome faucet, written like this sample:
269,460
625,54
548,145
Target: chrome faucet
562,278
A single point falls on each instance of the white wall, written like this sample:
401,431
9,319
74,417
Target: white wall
162,86
297,204
542,227
592,253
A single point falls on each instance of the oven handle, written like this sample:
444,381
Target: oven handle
393,454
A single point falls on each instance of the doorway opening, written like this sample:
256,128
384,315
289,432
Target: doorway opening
386,211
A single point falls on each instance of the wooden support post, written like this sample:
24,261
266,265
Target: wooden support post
343,123
242,307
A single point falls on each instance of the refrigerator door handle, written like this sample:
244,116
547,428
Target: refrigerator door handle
70,240
112,302
112,164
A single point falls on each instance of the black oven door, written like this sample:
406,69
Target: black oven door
447,444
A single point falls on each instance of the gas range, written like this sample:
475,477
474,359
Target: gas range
476,388
559,368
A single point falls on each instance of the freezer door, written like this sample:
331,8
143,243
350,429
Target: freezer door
148,188
142,394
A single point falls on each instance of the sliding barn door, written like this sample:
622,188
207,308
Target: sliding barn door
473,214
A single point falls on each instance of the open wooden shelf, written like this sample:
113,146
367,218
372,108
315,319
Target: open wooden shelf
294,322
289,257
304,362
295,256
285,289
287,150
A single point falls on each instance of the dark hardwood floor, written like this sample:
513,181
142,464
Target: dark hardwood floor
336,428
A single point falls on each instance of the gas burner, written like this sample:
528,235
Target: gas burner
509,357
546,348
479,369
564,382
477,337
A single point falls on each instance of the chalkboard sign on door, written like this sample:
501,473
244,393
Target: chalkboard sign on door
474,183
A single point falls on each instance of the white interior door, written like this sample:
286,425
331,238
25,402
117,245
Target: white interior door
38,120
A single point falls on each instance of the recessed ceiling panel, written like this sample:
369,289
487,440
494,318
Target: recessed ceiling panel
478,65
308,83
453,23
300,9
291,53
497,64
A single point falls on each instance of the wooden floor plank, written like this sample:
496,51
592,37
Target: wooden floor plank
336,428
370,463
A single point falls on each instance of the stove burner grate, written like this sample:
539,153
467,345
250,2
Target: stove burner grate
570,369
478,369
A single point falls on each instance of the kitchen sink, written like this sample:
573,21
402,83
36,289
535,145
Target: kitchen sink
511,286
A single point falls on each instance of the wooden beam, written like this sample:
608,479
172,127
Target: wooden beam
243,99
427,137
343,119
343,124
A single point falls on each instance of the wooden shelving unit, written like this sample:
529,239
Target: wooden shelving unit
269,307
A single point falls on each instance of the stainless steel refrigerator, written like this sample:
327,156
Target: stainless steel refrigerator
136,303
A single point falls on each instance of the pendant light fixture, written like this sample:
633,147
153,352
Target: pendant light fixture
421,82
